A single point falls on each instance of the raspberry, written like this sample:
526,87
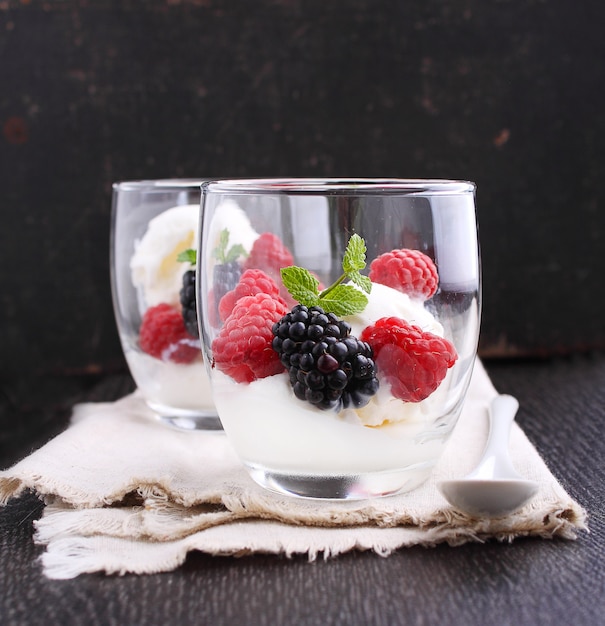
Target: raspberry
412,361
250,283
328,367
163,335
408,271
269,254
242,349
188,306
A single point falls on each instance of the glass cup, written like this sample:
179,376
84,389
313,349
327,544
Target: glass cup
340,362
153,222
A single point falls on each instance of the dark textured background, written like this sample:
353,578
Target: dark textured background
508,94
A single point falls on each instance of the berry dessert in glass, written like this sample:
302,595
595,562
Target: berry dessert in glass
340,358
153,254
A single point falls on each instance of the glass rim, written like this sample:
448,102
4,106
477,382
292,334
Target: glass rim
359,186
161,184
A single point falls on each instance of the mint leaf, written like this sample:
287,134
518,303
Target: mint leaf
363,282
222,255
301,284
339,298
344,300
235,252
354,258
221,248
187,256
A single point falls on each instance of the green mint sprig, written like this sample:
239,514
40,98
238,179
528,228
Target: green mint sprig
339,298
223,254
220,253
187,256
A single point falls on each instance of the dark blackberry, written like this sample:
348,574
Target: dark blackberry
328,367
225,278
188,307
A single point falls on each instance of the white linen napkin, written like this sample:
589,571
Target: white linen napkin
126,494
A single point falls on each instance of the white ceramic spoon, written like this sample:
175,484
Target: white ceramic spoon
493,488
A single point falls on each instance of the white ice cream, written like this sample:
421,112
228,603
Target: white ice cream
156,273
270,427
228,215
384,301
185,386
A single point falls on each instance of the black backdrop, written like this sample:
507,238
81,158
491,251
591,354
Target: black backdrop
509,94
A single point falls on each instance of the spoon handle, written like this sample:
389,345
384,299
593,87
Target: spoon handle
496,459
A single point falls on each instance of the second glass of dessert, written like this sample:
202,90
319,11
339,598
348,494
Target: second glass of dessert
153,253
340,321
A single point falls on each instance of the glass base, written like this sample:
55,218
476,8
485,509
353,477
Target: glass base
184,419
342,487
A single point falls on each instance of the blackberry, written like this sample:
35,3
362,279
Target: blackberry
328,367
188,307
225,278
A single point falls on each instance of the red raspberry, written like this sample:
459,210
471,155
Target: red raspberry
409,271
412,361
243,348
163,335
269,254
250,283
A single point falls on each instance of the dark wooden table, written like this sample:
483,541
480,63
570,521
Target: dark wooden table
530,581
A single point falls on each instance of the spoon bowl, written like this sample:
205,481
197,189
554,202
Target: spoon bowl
494,488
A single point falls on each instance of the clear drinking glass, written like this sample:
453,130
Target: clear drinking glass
359,402
152,223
